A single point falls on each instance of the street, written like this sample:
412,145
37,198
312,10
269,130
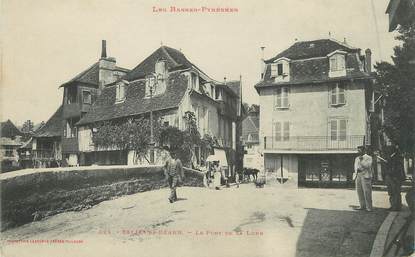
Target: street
245,221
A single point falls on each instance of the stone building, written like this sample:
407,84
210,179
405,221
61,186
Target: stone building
178,86
315,99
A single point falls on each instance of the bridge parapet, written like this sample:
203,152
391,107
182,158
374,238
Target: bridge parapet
32,194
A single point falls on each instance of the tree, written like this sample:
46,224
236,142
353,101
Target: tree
183,142
133,134
28,127
396,82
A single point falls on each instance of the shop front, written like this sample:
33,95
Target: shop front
326,170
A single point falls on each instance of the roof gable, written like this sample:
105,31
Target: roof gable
174,60
53,127
250,125
312,49
91,75
88,76
9,130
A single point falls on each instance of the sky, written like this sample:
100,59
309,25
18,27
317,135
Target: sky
47,42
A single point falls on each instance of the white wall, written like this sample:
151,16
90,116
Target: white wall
309,111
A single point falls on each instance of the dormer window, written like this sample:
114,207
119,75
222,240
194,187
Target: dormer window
194,81
280,70
155,85
337,62
160,67
119,92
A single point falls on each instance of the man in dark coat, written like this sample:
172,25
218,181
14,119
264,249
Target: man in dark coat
173,171
394,176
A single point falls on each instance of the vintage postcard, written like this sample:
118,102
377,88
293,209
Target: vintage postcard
207,128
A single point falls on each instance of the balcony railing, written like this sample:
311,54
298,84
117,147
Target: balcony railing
313,143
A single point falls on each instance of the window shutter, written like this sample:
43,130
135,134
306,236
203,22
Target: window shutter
286,131
333,130
341,95
286,68
342,130
285,97
278,96
333,63
341,62
334,95
122,95
273,69
277,131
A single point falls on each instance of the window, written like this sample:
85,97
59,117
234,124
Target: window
150,84
282,131
71,95
119,93
9,152
280,70
87,97
281,97
338,129
337,94
277,69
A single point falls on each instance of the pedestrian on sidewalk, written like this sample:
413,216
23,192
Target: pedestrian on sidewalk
363,178
394,176
173,171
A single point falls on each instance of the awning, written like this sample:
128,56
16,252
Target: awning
219,155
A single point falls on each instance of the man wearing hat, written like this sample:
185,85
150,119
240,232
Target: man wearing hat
173,171
363,173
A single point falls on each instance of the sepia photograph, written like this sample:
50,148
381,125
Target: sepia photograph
183,128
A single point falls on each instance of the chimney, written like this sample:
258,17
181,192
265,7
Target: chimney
104,49
106,67
368,60
262,62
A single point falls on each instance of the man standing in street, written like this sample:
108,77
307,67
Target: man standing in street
394,175
364,173
173,171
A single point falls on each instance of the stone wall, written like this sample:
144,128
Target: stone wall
33,194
